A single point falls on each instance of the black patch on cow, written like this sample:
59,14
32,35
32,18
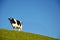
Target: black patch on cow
18,22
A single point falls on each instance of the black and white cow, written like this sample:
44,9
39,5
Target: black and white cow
16,24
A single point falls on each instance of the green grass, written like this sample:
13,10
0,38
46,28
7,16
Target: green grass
16,35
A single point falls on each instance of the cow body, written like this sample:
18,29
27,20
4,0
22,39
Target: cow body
15,23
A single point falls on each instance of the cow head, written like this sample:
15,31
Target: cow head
11,20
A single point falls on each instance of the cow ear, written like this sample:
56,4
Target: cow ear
21,22
8,18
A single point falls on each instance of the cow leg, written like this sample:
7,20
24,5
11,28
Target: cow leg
19,29
14,28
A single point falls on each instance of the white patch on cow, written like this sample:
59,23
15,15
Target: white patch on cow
15,20
14,25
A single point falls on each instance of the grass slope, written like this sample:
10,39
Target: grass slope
15,35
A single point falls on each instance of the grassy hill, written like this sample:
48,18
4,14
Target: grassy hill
16,35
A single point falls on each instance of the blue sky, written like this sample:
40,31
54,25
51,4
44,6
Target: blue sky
38,16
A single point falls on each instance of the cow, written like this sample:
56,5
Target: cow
16,24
